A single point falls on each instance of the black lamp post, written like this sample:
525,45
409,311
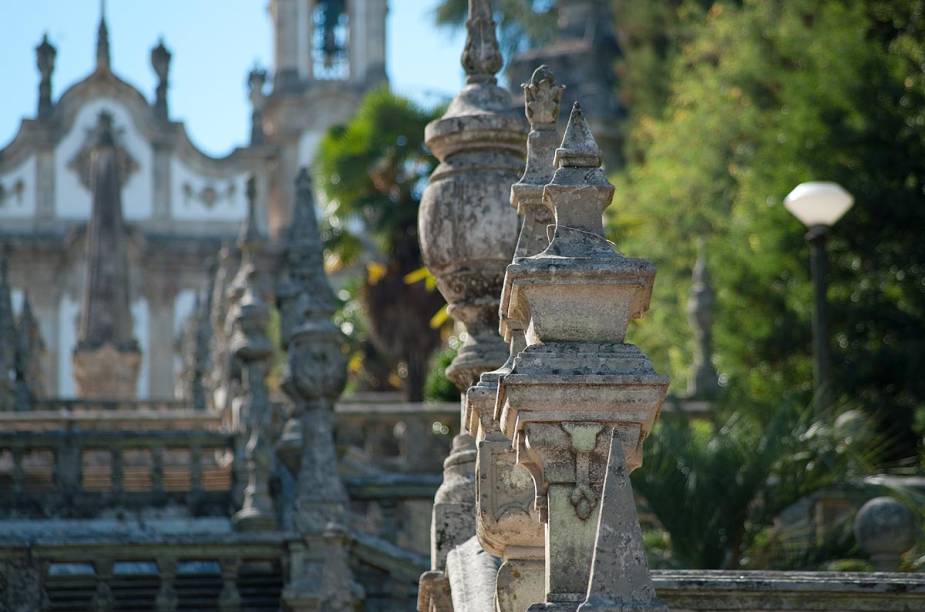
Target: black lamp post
819,206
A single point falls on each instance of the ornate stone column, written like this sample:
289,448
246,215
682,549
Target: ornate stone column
249,315
320,577
506,522
468,234
577,381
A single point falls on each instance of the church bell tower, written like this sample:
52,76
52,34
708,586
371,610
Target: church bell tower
327,55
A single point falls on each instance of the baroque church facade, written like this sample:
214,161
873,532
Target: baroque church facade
179,203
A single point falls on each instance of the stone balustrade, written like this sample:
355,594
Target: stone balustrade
226,574
83,473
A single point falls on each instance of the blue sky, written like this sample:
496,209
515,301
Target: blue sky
214,43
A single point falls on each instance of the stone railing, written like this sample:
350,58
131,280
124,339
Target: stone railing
396,436
81,473
690,590
227,573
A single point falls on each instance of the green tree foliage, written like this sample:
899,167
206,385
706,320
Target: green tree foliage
372,172
716,490
768,94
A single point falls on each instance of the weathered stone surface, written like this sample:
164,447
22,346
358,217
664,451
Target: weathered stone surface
472,577
467,231
320,577
576,381
619,570
507,524
885,529
249,315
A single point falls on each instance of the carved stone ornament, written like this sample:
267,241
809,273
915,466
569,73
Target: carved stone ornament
80,163
209,195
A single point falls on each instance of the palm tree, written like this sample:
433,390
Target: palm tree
372,172
717,489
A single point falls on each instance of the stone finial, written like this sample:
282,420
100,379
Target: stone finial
45,55
30,349
160,61
703,382
107,358
466,229
506,524
541,105
885,529
7,341
256,81
481,58
102,41
619,570
468,234
249,343
315,376
577,380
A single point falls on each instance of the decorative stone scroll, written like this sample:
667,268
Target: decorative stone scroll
577,381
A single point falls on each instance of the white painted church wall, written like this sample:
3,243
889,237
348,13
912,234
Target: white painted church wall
194,197
17,191
72,199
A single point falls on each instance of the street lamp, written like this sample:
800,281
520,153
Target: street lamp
818,206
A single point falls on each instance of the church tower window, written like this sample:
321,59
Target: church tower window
330,39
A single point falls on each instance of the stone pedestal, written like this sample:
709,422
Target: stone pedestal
106,372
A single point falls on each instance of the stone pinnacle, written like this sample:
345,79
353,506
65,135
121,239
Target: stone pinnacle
481,57
578,149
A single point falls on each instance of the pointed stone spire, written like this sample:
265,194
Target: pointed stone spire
45,55
106,316
316,372
703,382
30,349
314,379
7,341
619,570
481,57
160,61
102,41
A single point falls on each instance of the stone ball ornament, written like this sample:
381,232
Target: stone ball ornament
885,529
